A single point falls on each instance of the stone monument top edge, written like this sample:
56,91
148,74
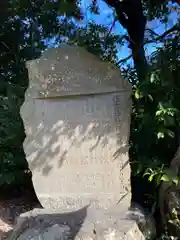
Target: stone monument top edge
72,70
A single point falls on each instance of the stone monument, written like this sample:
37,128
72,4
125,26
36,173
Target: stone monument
77,117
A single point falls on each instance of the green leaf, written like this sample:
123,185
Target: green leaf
175,180
174,211
152,77
150,97
170,133
148,171
172,222
165,178
160,135
151,177
161,106
171,175
138,94
159,112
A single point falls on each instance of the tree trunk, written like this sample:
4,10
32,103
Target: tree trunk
131,17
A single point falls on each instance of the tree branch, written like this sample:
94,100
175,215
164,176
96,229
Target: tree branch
124,59
176,27
130,16
111,28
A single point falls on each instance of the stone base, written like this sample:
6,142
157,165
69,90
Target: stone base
85,224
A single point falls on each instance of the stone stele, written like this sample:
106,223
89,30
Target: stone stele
77,117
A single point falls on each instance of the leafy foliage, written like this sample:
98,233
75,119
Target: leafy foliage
156,109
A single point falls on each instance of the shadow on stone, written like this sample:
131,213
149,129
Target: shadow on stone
39,223
77,114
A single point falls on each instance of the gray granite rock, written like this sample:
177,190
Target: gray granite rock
77,117
87,223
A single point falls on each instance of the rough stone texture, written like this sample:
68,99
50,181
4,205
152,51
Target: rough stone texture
77,117
71,70
85,224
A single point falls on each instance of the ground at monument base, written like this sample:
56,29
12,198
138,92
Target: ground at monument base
11,208
85,224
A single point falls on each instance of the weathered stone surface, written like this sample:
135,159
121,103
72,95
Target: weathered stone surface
71,70
77,117
55,232
85,224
